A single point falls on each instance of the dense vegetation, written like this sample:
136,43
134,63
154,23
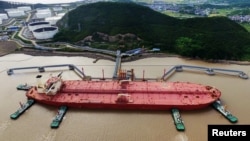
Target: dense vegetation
207,38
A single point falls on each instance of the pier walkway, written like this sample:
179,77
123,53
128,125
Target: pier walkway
177,68
209,71
42,69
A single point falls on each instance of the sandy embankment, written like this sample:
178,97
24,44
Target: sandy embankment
7,47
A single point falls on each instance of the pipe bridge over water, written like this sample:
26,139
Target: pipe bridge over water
177,68
42,69
209,71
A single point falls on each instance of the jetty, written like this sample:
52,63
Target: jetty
209,71
43,68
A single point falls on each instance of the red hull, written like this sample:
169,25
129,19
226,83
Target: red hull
129,95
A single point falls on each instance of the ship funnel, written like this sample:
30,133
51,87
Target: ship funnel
39,81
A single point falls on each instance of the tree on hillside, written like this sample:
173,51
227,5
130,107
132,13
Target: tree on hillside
188,47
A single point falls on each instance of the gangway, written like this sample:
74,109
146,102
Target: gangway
42,68
209,71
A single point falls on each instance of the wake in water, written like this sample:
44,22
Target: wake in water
181,137
4,125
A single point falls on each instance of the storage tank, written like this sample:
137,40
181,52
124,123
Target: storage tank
38,10
3,16
35,25
24,8
10,9
45,32
1,21
57,8
53,20
61,14
16,13
42,15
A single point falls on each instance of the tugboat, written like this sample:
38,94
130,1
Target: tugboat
22,109
178,120
24,87
59,117
220,108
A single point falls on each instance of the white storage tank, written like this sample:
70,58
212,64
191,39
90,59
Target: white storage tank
10,9
45,32
42,15
61,14
16,13
3,16
35,25
42,10
24,8
57,8
53,20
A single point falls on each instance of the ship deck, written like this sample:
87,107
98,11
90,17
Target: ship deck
149,95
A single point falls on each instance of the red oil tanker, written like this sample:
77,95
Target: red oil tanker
123,94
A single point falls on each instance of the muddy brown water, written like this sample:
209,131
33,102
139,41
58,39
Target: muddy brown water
114,125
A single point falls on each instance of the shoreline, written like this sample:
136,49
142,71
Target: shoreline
9,47
93,55
99,56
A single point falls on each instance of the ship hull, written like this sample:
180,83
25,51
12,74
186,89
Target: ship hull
129,95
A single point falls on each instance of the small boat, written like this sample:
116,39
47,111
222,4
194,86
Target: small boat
220,108
24,87
22,109
178,120
59,117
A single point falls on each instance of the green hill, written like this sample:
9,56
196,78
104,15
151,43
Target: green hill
208,38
